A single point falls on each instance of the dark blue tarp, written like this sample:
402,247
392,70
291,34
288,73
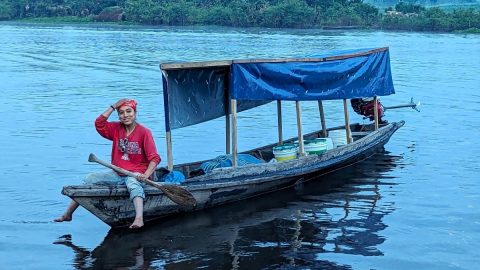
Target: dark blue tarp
193,96
367,75
197,94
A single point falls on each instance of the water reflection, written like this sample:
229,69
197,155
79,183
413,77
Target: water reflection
338,213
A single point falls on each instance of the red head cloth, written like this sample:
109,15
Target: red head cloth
130,103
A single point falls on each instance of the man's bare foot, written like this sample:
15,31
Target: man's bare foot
63,218
137,223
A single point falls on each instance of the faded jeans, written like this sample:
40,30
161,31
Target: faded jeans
134,187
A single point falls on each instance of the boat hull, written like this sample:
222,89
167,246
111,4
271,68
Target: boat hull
112,205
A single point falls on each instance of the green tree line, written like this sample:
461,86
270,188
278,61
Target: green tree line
417,18
249,13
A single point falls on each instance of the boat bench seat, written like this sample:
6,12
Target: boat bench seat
361,133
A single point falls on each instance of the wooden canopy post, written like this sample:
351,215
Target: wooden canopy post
375,111
169,151
322,118
279,120
227,133
299,127
347,122
234,132
226,102
168,130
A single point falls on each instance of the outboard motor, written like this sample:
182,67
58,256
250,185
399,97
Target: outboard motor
365,107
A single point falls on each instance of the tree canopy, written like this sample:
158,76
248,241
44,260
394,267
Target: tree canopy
249,13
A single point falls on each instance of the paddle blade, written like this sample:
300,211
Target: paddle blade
177,194
180,195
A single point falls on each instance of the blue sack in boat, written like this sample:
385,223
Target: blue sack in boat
173,177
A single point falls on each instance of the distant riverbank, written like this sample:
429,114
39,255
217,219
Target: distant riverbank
89,21
338,14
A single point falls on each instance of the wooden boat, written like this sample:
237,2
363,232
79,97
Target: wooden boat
229,84
226,225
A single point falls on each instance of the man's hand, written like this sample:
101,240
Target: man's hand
141,177
119,102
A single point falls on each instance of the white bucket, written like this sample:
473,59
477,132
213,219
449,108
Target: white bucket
285,152
339,137
329,142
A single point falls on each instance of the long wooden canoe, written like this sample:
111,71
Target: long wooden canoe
112,205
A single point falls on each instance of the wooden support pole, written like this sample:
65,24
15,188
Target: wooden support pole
234,132
299,127
347,122
226,103
375,111
322,118
279,119
169,151
227,133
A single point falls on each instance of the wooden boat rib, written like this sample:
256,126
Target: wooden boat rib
218,86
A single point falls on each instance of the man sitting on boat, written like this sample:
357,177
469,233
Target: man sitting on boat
133,149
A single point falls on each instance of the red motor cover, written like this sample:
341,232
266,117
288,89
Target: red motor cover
366,107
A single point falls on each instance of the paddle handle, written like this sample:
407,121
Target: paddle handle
93,158
177,194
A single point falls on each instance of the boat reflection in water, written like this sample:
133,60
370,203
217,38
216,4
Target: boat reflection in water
341,213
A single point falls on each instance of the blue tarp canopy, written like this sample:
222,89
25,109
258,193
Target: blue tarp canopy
198,92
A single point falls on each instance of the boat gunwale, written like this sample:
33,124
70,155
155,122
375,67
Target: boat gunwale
298,163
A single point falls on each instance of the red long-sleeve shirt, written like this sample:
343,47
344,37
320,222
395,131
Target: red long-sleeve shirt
134,153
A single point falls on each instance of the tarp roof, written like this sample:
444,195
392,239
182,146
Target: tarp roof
198,92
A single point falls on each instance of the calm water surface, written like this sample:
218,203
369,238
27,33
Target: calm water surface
415,206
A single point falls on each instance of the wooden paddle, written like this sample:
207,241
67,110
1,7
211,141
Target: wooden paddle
177,194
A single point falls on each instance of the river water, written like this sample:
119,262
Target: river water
414,206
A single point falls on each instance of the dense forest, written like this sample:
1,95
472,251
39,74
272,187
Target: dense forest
248,13
425,3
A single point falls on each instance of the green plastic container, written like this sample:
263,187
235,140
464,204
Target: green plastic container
315,146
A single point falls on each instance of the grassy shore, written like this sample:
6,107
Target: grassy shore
66,19
70,20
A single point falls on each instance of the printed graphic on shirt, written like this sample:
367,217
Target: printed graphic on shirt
127,147
134,148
